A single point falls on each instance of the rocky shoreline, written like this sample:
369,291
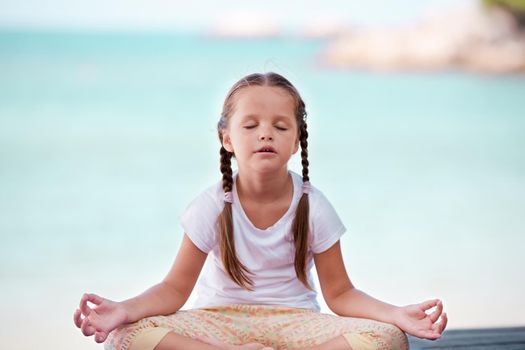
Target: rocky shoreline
476,39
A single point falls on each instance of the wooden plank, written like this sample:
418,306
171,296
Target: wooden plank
475,339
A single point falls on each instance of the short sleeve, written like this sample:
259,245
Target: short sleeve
326,226
199,220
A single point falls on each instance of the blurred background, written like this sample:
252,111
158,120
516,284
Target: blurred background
107,132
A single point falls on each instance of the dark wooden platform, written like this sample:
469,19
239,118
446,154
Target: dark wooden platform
474,339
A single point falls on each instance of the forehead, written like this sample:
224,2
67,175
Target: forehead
264,101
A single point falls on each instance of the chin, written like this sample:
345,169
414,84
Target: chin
268,169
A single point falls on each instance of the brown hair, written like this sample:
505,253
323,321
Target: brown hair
235,269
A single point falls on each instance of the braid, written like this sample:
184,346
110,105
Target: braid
236,270
300,224
226,170
304,151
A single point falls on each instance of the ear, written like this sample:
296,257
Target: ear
296,146
227,142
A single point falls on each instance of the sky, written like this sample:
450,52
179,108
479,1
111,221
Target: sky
197,14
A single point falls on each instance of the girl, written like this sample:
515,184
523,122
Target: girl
260,231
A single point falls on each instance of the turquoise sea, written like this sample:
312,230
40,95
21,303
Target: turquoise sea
106,137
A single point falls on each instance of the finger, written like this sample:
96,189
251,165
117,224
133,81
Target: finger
437,312
100,337
77,319
433,335
427,334
428,304
95,299
86,328
84,307
444,320
92,298
440,326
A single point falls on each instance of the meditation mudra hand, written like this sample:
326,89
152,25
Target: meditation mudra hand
100,320
415,321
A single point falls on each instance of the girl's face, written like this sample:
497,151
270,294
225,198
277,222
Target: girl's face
262,131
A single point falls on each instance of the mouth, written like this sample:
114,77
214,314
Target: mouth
266,149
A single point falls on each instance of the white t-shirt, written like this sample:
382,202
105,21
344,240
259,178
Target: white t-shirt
269,253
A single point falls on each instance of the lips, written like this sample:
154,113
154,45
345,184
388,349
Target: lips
266,149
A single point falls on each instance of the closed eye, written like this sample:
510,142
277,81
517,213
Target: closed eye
250,126
280,128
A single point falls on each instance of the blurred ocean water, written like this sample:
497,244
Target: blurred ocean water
106,137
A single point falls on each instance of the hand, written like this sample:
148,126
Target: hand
415,321
102,319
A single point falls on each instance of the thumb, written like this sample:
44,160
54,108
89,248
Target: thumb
425,305
95,299
100,337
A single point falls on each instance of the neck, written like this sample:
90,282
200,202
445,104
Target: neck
263,187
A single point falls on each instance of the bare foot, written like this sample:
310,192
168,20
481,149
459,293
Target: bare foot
222,345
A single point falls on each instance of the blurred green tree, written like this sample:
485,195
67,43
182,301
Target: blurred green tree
515,7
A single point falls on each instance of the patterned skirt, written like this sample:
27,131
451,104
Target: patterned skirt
277,326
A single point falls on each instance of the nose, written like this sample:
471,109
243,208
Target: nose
265,138
265,134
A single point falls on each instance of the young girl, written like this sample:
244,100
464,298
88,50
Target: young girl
259,230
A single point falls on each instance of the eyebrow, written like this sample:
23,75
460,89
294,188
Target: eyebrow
279,117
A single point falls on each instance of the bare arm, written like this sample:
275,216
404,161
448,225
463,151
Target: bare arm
169,296
164,298
345,300
340,294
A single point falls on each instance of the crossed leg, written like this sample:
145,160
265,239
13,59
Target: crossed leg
174,341
251,327
338,343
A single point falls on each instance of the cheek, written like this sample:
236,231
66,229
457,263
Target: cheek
238,143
